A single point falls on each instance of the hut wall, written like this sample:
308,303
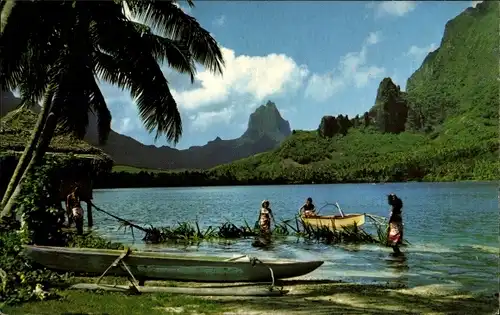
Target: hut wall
7,167
8,164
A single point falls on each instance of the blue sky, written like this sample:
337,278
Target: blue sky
311,58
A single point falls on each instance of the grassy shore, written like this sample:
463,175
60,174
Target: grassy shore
304,297
133,169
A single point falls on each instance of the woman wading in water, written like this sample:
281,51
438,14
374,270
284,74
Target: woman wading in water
395,231
75,210
265,217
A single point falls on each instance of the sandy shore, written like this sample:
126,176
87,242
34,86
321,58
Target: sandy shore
335,297
305,297
341,298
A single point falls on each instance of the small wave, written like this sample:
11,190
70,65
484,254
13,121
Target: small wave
487,249
430,248
330,255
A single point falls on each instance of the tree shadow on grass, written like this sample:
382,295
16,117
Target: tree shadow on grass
367,299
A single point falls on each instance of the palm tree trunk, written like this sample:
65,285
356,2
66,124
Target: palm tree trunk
37,158
30,148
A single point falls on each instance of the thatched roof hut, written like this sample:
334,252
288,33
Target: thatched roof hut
86,163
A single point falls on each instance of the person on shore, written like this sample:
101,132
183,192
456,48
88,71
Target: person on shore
395,230
75,210
308,209
265,217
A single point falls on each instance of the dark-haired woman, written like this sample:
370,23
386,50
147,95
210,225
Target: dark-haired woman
308,209
395,231
75,210
265,217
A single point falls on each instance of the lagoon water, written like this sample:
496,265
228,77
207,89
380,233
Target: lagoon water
453,228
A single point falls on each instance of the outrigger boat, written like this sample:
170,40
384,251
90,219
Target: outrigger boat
159,266
335,222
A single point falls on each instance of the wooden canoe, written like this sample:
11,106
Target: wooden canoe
159,266
335,221
201,291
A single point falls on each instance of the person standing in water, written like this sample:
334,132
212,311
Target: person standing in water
265,217
75,210
308,209
395,231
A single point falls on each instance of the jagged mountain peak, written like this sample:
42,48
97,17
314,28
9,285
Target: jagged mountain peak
267,120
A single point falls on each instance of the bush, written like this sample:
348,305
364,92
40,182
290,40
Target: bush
22,280
42,216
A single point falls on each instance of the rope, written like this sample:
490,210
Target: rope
120,219
254,261
376,218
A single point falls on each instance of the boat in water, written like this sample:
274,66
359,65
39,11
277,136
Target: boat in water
335,222
160,266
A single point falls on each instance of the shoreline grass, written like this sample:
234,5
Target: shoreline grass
191,233
304,297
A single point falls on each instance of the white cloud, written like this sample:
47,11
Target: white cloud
220,21
256,77
419,53
373,38
247,82
121,125
363,76
202,120
351,70
394,8
321,87
475,3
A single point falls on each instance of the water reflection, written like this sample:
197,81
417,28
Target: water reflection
398,264
463,251
263,242
352,247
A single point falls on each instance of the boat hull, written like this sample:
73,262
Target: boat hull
335,222
151,266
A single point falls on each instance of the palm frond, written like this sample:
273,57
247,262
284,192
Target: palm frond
171,22
13,41
99,108
175,52
124,61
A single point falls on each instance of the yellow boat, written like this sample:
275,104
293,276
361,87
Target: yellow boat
336,222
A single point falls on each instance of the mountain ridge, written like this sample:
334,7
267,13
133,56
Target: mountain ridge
443,127
125,150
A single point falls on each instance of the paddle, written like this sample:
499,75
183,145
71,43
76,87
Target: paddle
235,258
340,210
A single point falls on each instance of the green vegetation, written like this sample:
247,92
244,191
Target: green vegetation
15,131
77,302
42,220
320,298
450,111
365,155
443,128
133,170
20,279
69,45
185,232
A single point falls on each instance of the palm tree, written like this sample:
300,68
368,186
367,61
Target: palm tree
57,50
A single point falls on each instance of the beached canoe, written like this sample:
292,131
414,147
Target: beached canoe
159,266
335,221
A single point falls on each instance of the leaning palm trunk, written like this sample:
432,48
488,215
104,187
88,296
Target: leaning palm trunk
37,158
29,149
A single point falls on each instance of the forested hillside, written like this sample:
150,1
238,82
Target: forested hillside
444,127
